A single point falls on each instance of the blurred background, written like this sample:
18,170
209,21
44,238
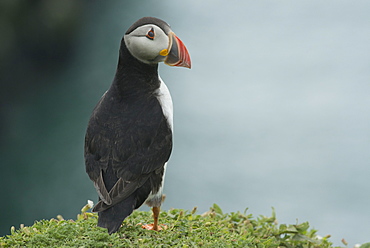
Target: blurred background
274,112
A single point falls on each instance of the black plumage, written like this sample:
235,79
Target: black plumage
129,138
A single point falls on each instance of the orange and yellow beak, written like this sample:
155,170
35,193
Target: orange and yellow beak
176,54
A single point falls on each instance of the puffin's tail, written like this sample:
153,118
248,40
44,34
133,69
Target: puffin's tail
112,217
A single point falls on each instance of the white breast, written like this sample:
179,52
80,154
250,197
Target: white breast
164,98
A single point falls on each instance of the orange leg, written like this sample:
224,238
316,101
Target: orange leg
156,211
155,225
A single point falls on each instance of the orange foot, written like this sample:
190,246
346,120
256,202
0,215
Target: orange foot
151,227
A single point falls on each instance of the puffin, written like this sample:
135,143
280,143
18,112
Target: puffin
128,140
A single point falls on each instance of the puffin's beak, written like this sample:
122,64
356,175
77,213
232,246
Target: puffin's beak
178,55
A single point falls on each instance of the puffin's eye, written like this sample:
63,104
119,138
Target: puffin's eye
150,34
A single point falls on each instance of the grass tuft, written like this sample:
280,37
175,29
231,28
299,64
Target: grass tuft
183,229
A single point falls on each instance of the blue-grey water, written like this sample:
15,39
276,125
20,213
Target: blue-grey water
274,112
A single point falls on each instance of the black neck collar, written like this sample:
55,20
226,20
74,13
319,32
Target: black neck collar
133,76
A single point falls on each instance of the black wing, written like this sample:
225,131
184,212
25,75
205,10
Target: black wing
133,138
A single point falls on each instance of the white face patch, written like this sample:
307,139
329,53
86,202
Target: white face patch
144,48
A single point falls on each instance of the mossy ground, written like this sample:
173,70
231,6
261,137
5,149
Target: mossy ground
184,229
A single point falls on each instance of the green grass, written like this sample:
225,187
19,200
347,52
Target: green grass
184,229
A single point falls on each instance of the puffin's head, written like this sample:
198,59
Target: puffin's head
151,41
